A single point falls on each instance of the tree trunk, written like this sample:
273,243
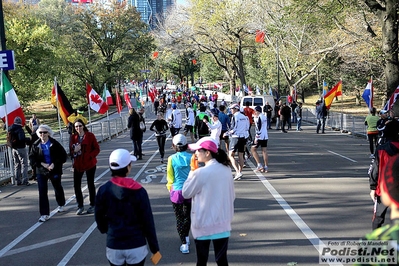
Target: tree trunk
390,45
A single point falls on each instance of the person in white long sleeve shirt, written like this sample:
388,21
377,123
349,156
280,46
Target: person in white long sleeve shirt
175,120
239,134
260,140
212,202
215,127
190,121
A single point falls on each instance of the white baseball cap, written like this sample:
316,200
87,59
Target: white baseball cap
179,139
120,158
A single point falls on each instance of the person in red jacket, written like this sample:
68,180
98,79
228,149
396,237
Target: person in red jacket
84,149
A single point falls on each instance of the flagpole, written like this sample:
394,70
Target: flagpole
109,123
371,94
342,105
9,151
58,108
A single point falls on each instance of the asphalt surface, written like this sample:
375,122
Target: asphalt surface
316,189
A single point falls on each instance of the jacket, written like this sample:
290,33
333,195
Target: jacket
134,124
123,212
21,139
383,164
58,157
212,206
87,157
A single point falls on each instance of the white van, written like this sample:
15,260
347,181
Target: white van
258,101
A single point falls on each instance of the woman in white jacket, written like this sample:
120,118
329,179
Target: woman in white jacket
212,201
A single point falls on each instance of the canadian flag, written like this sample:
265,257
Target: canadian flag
95,101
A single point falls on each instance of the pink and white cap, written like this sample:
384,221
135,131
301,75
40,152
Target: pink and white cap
206,143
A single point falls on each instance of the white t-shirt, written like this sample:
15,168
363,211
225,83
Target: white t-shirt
216,130
176,118
190,120
261,127
239,126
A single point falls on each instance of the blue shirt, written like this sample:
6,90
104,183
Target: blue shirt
46,151
224,120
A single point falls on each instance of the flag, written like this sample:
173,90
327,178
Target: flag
392,100
368,95
334,92
118,102
127,98
260,36
107,96
9,104
325,88
95,101
64,106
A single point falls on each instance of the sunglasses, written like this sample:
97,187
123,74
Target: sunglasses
43,132
79,126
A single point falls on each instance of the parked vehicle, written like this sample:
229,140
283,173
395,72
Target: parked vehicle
258,101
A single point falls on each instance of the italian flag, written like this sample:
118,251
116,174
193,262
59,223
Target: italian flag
107,97
9,104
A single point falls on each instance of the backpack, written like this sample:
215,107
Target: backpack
12,138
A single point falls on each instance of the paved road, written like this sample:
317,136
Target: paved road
316,189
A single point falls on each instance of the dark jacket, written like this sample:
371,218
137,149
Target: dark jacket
285,112
58,157
87,157
321,111
161,126
123,212
21,139
134,124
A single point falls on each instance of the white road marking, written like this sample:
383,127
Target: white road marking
309,234
342,156
43,244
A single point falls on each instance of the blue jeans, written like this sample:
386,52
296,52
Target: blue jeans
42,184
298,123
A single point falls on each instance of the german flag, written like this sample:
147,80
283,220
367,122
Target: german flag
64,106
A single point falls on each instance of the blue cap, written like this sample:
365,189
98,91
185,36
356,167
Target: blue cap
174,106
258,109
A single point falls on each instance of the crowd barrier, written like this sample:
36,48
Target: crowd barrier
104,129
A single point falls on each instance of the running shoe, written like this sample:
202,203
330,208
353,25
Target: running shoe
238,176
43,218
184,249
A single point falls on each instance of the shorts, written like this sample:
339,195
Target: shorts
223,137
129,256
261,143
188,128
237,144
174,131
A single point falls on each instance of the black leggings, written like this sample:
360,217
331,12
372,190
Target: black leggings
161,144
77,185
183,220
220,248
372,141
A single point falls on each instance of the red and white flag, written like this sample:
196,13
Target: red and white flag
118,102
127,98
95,101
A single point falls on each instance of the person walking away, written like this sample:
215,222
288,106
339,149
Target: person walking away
215,127
175,120
156,105
377,170
225,121
160,126
298,112
372,132
177,172
261,138
136,134
33,138
285,115
17,142
123,212
238,138
212,201
249,112
84,149
321,115
200,128
268,109
47,157
190,121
